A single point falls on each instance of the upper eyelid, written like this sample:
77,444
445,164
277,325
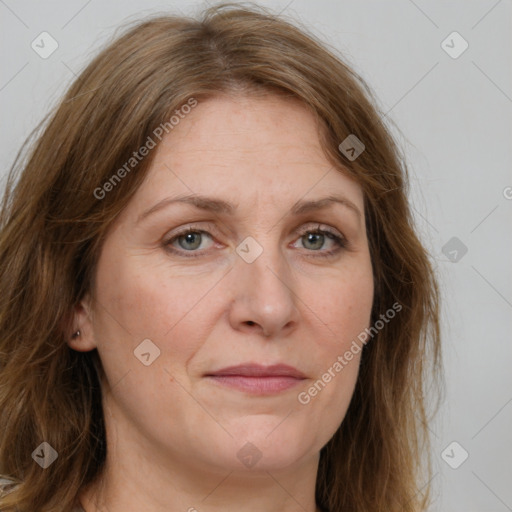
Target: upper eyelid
342,243
311,226
340,240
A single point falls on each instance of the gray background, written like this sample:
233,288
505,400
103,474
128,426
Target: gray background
454,116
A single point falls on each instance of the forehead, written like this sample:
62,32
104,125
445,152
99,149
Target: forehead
267,128
259,149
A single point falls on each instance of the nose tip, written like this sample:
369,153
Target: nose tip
262,302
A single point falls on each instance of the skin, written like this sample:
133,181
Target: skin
173,435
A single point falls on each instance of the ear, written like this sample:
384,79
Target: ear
83,322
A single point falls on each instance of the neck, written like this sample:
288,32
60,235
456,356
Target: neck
132,488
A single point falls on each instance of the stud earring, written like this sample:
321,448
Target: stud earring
76,334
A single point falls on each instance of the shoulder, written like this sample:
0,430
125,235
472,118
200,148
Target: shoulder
7,484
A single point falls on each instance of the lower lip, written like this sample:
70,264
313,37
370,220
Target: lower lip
257,385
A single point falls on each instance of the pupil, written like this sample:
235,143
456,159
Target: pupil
311,238
189,239
315,239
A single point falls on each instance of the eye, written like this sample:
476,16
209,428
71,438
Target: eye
188,240
314,238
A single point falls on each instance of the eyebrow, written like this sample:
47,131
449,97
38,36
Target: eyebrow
220,206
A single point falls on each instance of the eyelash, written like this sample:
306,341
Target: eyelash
340,241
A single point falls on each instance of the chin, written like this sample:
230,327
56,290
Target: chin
259,444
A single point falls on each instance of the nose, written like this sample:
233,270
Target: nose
263,300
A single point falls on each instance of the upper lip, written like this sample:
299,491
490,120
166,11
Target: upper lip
258,370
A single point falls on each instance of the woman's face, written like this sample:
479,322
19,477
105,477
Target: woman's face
254,282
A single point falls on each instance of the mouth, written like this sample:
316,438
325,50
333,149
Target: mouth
258,379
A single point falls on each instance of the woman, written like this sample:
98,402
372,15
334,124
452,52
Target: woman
213,295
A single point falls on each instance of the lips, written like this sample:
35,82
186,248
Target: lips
257,370
257,379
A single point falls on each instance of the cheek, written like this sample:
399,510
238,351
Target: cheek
139,301
344,304
345,308
139,296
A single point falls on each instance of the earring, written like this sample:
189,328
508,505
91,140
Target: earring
77,333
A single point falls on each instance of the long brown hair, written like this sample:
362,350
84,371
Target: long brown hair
53,225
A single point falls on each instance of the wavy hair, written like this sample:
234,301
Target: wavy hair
53,225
